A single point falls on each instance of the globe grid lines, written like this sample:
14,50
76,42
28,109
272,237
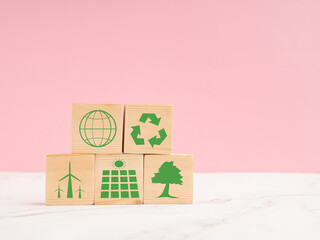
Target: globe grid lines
85,128
87,140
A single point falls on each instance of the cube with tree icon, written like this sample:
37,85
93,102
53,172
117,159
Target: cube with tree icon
168,179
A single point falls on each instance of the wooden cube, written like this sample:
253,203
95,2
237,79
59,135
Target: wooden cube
70,179
119,179
148,129
168,179
97,128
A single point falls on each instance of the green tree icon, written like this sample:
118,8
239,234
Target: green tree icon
168,174
59,190
80,190
70,193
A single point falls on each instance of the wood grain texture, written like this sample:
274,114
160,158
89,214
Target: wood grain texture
79,110
108,163
133,113
82,167
152,191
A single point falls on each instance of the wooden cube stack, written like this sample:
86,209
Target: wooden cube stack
120,160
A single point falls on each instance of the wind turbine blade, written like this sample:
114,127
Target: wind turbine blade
61,190
75,177
64,177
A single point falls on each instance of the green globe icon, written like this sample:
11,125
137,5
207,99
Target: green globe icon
97,128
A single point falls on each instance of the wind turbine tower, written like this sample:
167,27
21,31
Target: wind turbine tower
59,190
70,176
79,190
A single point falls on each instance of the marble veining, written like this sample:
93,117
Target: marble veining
233,206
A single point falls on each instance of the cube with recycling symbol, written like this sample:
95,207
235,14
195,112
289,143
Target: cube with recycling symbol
148,129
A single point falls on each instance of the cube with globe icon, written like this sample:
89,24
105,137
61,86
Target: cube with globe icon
97,128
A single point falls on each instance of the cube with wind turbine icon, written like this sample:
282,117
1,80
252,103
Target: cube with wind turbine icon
69,179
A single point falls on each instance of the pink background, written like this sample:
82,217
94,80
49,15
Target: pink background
243,76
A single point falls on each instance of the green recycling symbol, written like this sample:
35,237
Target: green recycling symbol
136,131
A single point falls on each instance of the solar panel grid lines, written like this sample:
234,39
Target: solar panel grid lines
119,184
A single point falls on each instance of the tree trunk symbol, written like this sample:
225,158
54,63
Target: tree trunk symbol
168,174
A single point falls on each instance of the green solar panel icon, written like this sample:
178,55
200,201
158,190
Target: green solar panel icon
119,183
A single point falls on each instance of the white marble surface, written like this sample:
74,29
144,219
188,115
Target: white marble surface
233,206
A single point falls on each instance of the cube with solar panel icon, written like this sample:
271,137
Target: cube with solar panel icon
119,179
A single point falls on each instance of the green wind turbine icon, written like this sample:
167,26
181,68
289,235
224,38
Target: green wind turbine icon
59,190
80,190
70,193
